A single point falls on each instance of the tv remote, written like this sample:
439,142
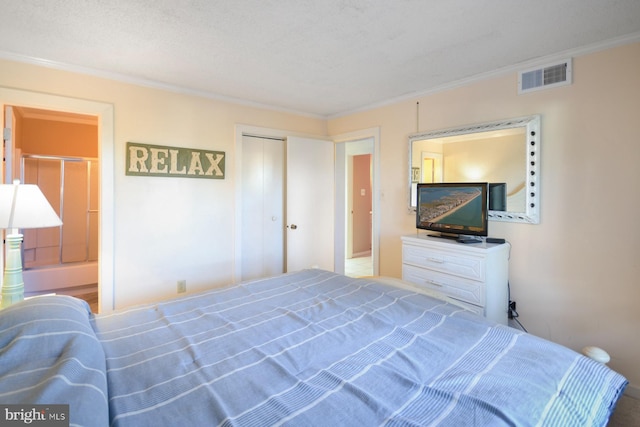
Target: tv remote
495,240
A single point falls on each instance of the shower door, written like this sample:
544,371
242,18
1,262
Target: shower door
71,186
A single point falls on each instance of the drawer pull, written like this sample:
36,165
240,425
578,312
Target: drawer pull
436,260
433,282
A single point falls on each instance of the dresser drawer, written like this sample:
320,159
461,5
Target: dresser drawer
456,287
444,261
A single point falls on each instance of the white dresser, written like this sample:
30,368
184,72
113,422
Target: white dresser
475,274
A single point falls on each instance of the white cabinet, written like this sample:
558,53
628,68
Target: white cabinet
475,274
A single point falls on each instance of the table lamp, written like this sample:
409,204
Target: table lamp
21,206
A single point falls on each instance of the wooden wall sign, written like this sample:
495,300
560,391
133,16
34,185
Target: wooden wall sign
158,160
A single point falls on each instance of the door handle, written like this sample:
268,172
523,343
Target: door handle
293,226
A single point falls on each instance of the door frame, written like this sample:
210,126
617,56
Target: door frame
241,130
343,142
106,153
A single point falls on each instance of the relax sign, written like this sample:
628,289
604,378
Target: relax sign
157,160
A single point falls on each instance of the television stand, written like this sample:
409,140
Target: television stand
476,276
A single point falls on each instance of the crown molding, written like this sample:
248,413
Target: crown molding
592,48
123,78
576,52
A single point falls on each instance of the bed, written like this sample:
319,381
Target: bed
300,349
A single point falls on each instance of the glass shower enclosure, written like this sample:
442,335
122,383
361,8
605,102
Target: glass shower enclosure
64,257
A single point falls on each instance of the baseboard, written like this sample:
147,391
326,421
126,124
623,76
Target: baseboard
632,391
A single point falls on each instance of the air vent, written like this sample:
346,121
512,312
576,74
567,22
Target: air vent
548,76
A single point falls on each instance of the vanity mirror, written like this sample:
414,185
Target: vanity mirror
505,153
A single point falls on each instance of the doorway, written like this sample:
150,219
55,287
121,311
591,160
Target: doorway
58,152
364,146
359,210
105,116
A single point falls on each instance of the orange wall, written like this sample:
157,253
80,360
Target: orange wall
58,138
361,203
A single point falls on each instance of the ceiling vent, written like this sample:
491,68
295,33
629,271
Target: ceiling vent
547,76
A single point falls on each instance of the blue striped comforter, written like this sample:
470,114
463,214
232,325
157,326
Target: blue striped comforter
49,354
303,349
317,348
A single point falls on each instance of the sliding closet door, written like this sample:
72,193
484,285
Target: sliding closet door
310,203
262,207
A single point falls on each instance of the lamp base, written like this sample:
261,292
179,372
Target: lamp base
12,284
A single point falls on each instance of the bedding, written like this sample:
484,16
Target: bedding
305,348
49,354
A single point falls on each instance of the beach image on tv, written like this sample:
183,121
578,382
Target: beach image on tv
460,206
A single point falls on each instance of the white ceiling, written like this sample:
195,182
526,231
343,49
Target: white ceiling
318,57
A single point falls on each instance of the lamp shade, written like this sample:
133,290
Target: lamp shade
24,206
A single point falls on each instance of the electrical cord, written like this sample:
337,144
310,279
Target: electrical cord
511,310
513,315
518,322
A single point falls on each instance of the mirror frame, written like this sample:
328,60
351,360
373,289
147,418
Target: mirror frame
532,162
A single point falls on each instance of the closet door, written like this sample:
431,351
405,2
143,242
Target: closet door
262,207
310,203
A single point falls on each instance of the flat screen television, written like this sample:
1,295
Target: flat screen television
497,196
453,209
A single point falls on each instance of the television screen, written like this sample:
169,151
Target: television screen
497,196
453,208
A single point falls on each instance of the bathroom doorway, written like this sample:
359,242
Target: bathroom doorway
58,151
358,260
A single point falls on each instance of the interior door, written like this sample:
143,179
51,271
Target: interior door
310,181
262,207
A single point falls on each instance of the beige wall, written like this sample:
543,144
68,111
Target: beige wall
576,275
165,229
499,159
